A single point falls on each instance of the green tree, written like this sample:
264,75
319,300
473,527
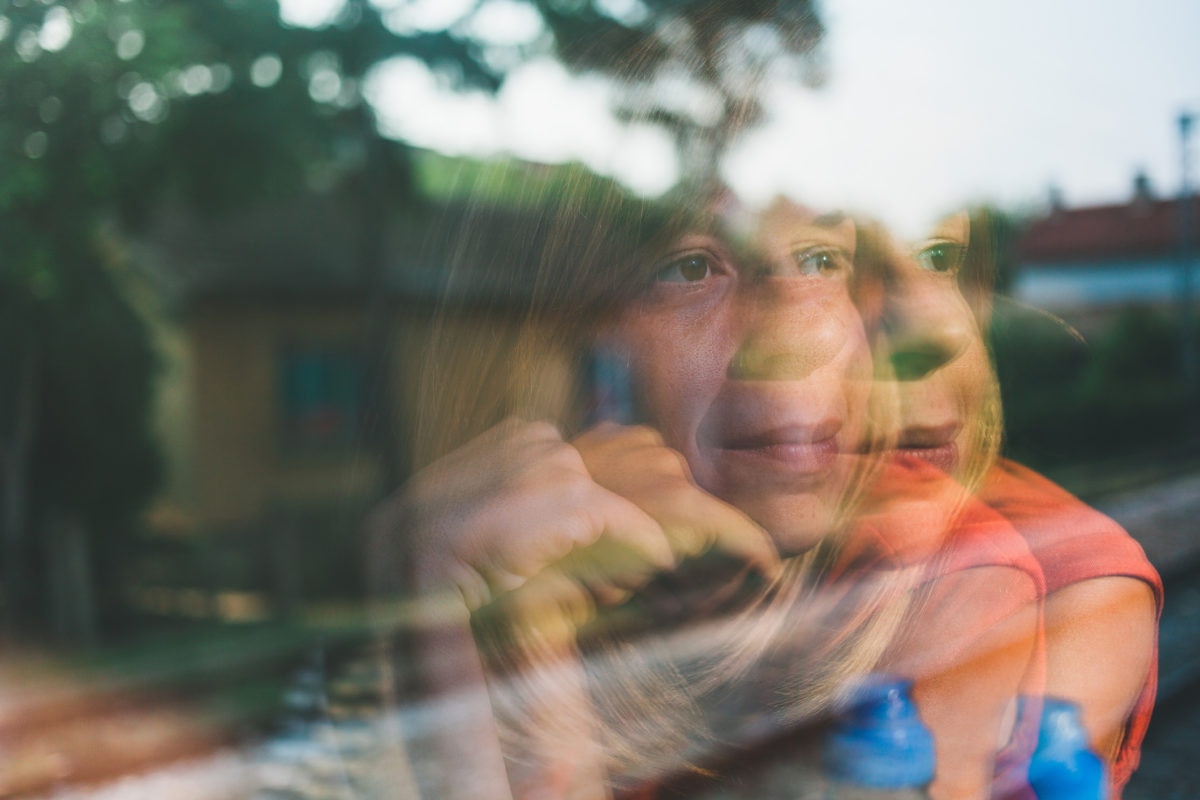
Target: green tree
111,109
696,67
77,365
108,109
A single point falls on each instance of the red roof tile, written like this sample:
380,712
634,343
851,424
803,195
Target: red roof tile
1149,228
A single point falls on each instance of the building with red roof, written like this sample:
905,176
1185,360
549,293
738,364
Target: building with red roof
1080,262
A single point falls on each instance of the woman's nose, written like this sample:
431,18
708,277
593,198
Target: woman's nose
927,323
790,330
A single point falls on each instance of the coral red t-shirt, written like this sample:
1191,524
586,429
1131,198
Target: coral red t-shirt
1073,542
978,573
919,520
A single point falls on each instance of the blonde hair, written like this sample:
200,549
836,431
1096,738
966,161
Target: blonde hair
975,283
560,269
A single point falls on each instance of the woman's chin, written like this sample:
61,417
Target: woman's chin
796,523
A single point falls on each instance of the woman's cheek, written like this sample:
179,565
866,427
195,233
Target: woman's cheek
679,363
860,382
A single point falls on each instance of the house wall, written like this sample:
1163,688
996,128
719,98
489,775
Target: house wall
1082,286
266,528
172,427
242,467
232,466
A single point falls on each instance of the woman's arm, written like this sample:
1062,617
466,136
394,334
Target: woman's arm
516,546
483,528
968,654
1100,640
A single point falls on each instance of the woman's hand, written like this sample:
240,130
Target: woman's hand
534,534
635,463
498,511
513,522
522,516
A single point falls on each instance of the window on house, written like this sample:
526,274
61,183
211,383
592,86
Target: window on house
321,391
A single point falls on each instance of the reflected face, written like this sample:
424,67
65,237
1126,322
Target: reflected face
751,359
936,348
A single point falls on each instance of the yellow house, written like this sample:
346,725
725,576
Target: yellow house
272,337
280,326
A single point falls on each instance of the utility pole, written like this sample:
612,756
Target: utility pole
1187,289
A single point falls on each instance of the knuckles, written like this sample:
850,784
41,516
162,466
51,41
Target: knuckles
519,498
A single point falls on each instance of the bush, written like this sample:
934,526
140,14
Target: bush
1066,401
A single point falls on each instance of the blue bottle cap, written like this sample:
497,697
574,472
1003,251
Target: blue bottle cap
879,740
1061,726
1063,767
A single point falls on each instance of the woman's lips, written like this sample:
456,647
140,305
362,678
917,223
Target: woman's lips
943,456
935,444
792,454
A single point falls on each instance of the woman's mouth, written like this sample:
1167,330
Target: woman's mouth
792,454
944,457
934,445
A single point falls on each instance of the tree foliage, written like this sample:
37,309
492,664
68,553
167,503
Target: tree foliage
111,109
108,110
697,67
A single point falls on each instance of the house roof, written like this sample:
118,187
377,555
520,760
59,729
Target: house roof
1140,228
489,220
309,248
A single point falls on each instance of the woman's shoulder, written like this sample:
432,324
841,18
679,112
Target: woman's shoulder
1039,508
917,515
1070,540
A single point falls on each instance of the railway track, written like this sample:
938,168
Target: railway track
1170,764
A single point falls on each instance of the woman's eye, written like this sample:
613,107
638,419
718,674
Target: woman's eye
823,261
687,269
944,257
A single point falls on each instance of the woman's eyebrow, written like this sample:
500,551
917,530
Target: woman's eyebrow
832,219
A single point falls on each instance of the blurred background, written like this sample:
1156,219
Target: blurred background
223,229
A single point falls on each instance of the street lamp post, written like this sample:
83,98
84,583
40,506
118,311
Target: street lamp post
1191,368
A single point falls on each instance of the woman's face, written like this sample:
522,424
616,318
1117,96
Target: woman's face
936,348
751,359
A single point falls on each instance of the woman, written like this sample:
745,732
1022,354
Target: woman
761,417
1103,596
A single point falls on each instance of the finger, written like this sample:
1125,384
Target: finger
633,462
709,524
610,570
695,522
609,434
482,467
545,613
619,456
624,525
623,544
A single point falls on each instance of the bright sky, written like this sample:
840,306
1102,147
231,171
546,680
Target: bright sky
930,104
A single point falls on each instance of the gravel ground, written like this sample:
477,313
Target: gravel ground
1164,518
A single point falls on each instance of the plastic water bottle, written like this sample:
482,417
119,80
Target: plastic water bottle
1062,766
879,749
